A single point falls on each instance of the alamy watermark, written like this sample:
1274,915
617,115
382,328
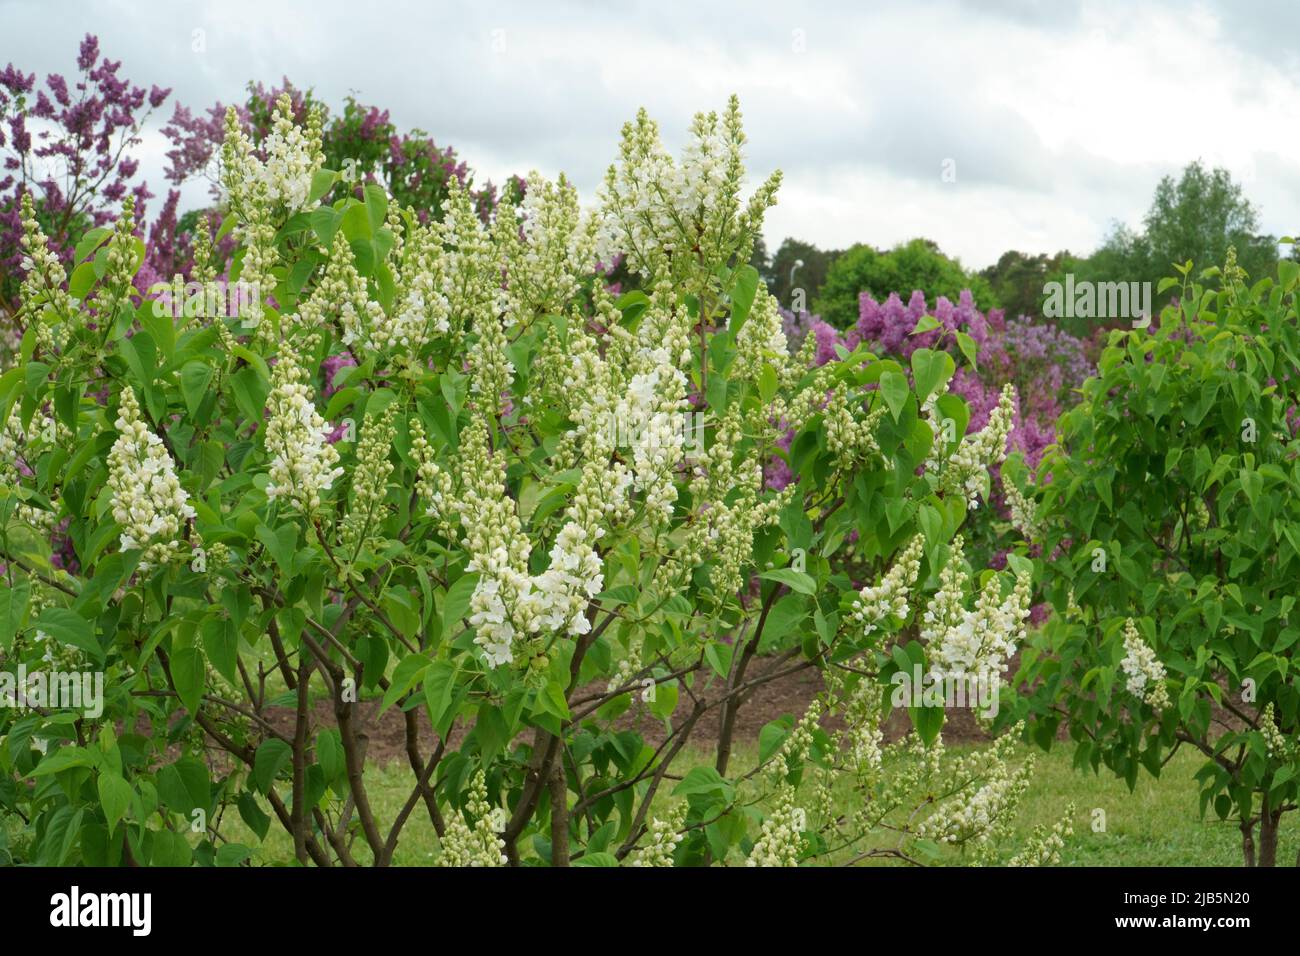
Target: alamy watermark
133,911
684,430
53,690
1098,300
213,300
951,690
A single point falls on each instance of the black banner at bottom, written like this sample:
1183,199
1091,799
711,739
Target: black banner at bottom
294,906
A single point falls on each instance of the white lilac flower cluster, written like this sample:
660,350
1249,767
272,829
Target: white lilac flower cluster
1043,848
471,260
421,307
729,512
946,609
781,840
662,837
562,593
477,845
977,817
341,296
1146,675
303,462
43,283
981,641
681,220
862,741
498,549
509,604
115,289
939,440
761,342
967,471
489,362
369,482
293,155
1024,515
548,245
147,498
652,411
1275,742
433,485
628,406
875,604
849,437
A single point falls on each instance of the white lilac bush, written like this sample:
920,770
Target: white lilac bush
432,466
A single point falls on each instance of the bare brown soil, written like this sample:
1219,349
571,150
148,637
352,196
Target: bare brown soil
786,696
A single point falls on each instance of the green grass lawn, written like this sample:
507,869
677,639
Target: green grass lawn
1157,824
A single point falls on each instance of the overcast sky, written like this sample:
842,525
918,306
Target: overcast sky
1059,117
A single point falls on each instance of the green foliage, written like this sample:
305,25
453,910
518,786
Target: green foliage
1195,218
910,266
798,265
1174,501
1017,280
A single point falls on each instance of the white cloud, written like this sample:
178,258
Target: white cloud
1061,117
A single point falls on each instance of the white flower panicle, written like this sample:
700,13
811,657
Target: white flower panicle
781,840
433,486
341,296
1143,668
43,292
509,604
761,341
1275,742
875,604
147,498
1024,515
662,836
849,436
1044,845
967,471
549,247
946,609
562,593
17,446
477,845
493,536
680,220
293,155
115,291
303,462
978,817
472,261
982,641
421,307
863,739
729,512
492,372
369,482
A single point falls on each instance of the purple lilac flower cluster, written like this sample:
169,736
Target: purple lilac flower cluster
1044,362
76,164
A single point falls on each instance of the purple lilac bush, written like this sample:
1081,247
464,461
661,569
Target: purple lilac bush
1046,364
68,143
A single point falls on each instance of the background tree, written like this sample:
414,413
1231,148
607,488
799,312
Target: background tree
1017,279
1196,217
917,264
809,276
